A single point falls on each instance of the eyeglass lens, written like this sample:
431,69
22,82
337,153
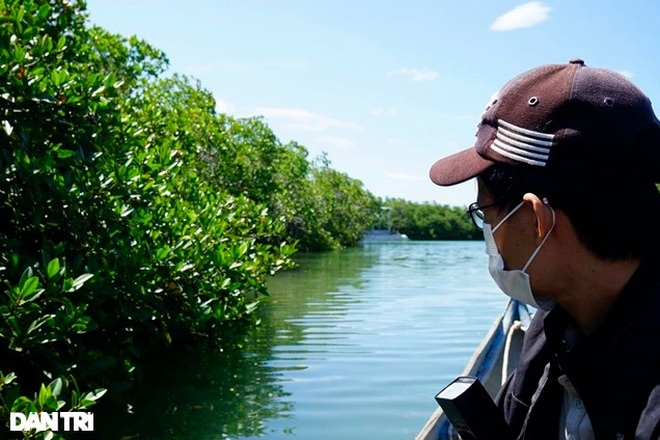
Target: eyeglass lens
477,215
478,218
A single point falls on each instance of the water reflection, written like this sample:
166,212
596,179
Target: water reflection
353,344
205,393
202,393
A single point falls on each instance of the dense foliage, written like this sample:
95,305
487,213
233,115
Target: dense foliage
429,221
133,215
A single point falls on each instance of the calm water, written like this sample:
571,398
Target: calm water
353,345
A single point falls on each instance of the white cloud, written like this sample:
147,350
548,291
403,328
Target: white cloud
222,106
298,119
334,142
627,73
523,16
415,74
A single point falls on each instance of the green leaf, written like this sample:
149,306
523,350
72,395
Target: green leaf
44,393
96,394
29,286
23,405
24,277
56,386
97,91
250,308
162,253
32,296
53,268
78,282
7,379
61,42
56,77
12,293
51,403
64,154
38,323
43,12
89,399
86,403
75,399
11,396
7,127
68,284
125,211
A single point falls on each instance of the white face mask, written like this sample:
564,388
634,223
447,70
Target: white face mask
515,283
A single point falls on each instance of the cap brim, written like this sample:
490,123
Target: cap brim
459,167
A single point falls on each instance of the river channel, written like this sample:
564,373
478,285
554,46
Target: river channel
352,345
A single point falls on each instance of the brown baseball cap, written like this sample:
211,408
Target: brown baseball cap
569,120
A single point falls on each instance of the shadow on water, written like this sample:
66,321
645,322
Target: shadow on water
203,392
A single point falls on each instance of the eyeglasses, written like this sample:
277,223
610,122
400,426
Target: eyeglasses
477,213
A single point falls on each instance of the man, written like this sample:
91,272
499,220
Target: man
566,159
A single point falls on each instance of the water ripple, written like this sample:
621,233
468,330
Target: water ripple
380,332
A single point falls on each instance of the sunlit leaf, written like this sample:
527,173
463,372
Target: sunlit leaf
53,267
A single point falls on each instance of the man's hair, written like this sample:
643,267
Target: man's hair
614,220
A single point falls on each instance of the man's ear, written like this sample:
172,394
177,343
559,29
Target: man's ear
544,215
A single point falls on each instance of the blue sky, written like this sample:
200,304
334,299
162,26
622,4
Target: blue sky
384,87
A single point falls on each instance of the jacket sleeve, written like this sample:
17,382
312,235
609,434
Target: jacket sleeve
648,427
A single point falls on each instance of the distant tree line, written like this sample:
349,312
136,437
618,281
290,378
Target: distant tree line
430,221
